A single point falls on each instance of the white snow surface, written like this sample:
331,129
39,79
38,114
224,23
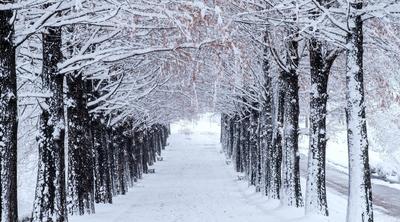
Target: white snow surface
194,184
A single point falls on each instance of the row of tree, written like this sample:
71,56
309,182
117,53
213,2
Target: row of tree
107,162
260,129
82,69
69,64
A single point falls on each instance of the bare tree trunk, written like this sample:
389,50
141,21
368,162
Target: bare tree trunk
244,145
230,138
8,119
320,64
103,189
145,152
112,158
236,136
120,150
266,126
80,149
291,189
131,164
253,146
274,153
50,193
136,154
360,194
320,68
316,189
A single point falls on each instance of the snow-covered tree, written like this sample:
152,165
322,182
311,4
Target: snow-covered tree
8,117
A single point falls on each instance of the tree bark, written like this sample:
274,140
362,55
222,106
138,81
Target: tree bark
320,68
120,151
320,64
80,149
360,194
237,158
253,146
8,119
291,188
138,153
274,153
244,145
49,204
103,188
145,152
131,163
266,126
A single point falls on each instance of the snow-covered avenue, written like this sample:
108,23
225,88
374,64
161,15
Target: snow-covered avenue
199,110
194,183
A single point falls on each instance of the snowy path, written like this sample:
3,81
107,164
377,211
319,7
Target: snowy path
193,184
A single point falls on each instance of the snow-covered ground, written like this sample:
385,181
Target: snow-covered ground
193,183
384,154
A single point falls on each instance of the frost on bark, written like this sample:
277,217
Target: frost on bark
131,160
266,128
138,139
244,144
100,144
145,152
237,151
226,131
360,194
291,189
274,153
164,136
320,69
151,151
320,64
253,147
8,119
49,204
231,130
80,188
316,189
119,150
158,140
103,188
